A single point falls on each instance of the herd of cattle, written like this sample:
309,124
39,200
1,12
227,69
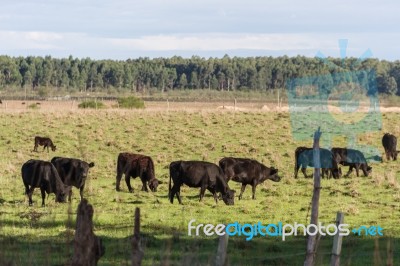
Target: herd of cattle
60,174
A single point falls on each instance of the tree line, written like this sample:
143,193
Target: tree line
226,73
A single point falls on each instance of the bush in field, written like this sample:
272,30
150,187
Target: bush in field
33,106
130,102
91,104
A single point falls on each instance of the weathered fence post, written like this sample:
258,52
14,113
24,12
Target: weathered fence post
88,247
234,105
312,239
337,241
137,253
220,260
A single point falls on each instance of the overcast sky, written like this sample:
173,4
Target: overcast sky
122,29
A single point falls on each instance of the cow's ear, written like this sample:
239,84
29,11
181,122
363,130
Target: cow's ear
91,165
274,171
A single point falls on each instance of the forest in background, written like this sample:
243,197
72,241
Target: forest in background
44,75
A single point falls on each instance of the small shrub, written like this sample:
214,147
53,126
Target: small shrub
33,106
131,102
91,104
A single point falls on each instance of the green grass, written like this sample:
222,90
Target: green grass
43,236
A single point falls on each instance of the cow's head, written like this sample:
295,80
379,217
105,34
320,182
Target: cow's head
273,175
83,169
53,148
61,195
336,172
229,197
369,170
153,184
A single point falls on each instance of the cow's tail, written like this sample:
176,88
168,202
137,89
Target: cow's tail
59,185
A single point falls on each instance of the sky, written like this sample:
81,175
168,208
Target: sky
123,29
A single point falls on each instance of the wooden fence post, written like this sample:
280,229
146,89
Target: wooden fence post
234,105
337,241
137,253
312,239
88,248
221,258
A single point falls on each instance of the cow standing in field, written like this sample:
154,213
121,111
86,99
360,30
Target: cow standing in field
73,172
305,157
353,159
44,175
136,165
199,174
247,172
45,142
389,142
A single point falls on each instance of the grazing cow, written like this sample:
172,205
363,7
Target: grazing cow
247,172
352,158
44,175
73,172
45,142
136,165
389,142
199,174
304,157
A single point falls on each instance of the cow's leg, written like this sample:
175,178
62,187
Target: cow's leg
357,168
43,195
128,182
172,194
178,194
202,191
303,170
387,155
254,185
118,180
29,192
80,192
35,147
296,170
350,170
144,186
242,190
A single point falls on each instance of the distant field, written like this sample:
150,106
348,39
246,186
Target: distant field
42,236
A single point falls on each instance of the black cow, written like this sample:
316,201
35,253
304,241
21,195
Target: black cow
199,174
389,142
73,172
247,172
305,157
136,165
44,175
353,159
45,142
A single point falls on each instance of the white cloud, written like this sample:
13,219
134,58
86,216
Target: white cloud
80,44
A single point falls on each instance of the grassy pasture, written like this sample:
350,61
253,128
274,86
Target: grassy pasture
43,236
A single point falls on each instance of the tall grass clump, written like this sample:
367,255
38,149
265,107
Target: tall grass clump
131,102
91,104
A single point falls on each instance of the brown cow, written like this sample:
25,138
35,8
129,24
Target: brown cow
136,165
45,142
